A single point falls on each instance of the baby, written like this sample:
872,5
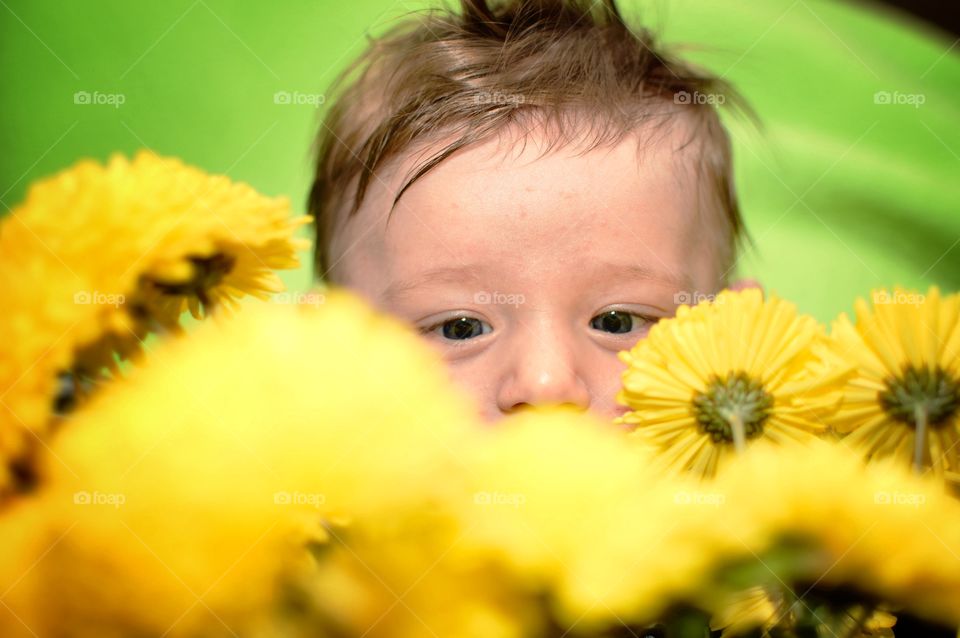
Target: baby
532,185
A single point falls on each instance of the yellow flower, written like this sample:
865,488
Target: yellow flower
745,610
904,400
182,497
766,609
722,374
575,510
610,542
818,525
97,257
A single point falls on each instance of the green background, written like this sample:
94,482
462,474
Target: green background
840,193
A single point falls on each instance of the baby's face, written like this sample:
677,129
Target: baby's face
530,273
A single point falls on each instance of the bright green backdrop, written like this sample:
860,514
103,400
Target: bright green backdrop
841,192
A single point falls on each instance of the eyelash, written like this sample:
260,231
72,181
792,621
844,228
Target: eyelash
646,320
439,324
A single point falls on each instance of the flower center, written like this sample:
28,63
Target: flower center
735,396
932,392
207,273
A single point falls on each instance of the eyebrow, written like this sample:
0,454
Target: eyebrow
643,273
440,275
457,275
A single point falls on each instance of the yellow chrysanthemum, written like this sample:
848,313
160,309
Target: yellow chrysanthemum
721,374
904,400
824,531
99,256
329,429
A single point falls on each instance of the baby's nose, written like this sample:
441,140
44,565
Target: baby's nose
543,372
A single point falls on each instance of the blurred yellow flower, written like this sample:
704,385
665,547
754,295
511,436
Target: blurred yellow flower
99,256
904,400
865,534
769,609
198,520
578,511
722,374
745,610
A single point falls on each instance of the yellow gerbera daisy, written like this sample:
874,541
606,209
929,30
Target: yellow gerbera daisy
97,257
721,374
904,400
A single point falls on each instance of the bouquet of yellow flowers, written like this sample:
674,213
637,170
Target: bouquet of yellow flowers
309,471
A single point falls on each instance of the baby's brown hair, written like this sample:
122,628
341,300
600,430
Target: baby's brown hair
574,66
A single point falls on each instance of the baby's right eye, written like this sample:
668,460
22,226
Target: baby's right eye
459,328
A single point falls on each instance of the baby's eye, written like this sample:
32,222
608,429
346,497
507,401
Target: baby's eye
620,321
460,328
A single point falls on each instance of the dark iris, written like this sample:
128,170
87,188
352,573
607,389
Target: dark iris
462,328
615,321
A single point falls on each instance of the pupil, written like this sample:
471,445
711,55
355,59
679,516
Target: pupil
462,328
615,321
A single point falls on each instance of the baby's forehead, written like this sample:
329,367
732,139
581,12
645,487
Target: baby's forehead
523,183
671,142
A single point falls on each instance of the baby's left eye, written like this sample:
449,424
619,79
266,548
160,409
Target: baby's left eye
619,321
